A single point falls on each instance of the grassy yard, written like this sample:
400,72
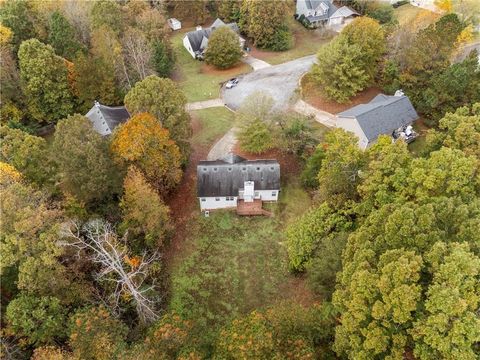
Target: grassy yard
198,80
235,264
214,123
307,42
406,14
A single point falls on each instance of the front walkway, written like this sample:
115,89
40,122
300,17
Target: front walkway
323,117
199,105
255,63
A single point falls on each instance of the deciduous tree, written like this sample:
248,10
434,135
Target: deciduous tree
20,17
86,169
223,49
167,106
45,83
340,71
144,212
143,142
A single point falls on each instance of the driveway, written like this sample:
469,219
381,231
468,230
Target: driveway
323,117
279,81
255,63
224,146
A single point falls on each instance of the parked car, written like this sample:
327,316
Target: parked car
232,83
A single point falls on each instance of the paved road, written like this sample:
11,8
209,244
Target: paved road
255,63
280,81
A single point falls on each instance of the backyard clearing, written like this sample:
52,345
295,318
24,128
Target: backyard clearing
279,81
197,80
407,14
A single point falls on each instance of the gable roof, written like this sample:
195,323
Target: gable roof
224,177
382,115
344,11
198,38
112,115
331,10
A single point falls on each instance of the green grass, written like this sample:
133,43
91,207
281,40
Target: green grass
235,264
417,147
214,122
407,13
197,80
306,42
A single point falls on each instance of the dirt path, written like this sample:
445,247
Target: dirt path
323,117
255,63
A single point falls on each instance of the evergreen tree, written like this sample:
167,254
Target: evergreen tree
62,37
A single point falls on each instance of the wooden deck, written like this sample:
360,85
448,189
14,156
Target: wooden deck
251,208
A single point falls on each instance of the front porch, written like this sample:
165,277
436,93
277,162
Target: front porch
251,208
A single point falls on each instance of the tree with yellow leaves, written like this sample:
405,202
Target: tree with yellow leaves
143,142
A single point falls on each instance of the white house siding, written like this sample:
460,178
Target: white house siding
186,45
98,121
301,7
267,195
351,125
221,202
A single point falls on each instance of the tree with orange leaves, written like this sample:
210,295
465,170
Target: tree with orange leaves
143,142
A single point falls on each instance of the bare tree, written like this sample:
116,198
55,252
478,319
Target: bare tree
137,53
116,264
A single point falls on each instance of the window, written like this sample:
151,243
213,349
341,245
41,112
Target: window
215,169
258,169
217,199
244,169
205,169
203,199
230,169
272,168
257,194
274,193
230,198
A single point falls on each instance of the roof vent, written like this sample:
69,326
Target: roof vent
199,27
96,103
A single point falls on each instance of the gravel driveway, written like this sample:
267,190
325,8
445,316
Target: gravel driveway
280,81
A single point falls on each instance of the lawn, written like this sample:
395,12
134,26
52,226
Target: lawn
233,265
214,123
406,14
306,42
198,80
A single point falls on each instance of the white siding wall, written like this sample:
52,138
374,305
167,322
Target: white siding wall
301,7
268,195
211,203
98,121
186,44
352,126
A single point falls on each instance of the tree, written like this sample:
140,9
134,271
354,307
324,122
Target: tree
370,37
167,106
62,36
85,167
137,54
144,212
229,11
95,80
312,167
10,90
116,264
95,334
265,23
20,17
450,326
27,153
255,136
39,319
45,83
144,143
459,130
340,70
313,231
223,49
162,59
195,9
109,14
340,170
296,134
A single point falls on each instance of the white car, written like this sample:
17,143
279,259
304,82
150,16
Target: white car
232,83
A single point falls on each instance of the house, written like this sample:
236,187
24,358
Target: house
315,13
106,118
174,24
388,115
196,42
236,183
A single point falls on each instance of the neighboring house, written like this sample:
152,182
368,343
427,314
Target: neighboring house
384,115
196,42
315,13
106,118
174,24
234,182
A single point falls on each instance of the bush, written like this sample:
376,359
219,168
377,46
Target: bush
383,13
223,49
256,137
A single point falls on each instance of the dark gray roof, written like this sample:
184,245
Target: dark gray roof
220,178
195,37
113,115
331,10
382,115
